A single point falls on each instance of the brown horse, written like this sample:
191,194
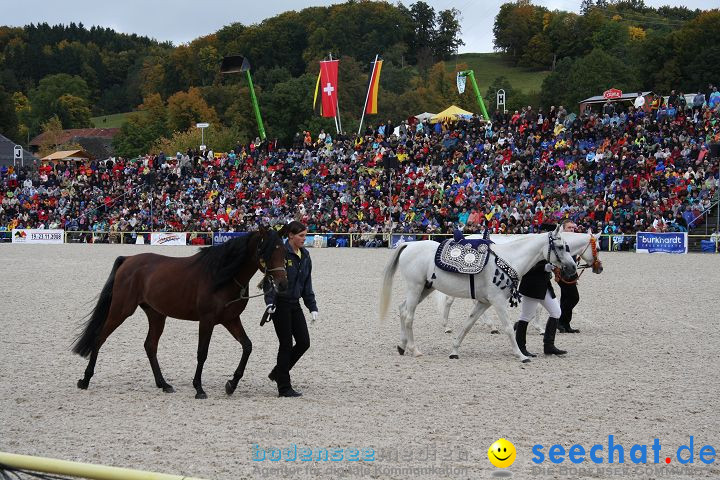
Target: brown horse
210,287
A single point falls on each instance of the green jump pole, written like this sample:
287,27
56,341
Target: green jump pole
470,74
256,107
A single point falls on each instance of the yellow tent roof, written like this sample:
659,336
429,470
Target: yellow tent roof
450,113
68,155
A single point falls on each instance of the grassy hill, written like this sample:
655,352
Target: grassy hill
115,120
489,66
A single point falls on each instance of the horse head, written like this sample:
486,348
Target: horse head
271,259
558,248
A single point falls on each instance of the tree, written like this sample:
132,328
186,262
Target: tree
423,22
184,109
45,99
8,116
73,112
538,54
447,37
515,24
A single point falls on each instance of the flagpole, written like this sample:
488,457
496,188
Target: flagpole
367,95
338,124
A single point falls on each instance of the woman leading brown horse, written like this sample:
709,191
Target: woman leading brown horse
210,287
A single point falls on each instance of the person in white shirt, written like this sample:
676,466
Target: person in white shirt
639,101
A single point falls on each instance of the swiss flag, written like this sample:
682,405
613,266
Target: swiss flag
328,87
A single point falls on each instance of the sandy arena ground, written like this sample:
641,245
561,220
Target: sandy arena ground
645,366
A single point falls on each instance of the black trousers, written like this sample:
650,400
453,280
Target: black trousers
289,323
569,297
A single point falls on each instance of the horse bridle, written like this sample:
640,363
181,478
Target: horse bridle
552,248
596,264
266,277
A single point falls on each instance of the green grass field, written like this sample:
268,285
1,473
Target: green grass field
489,66
115,120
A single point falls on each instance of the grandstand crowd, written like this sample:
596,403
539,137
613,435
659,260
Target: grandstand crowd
617,170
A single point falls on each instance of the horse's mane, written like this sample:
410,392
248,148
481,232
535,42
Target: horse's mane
224,261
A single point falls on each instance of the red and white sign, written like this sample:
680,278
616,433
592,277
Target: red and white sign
328,87
612,94
168,238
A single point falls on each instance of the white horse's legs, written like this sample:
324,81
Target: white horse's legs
477,310
415,295
403,336
504,318
447,302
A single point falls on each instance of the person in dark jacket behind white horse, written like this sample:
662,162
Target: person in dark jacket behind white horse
536,289
286,312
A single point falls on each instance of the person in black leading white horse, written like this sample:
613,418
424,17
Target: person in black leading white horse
569,296
536,289
286,312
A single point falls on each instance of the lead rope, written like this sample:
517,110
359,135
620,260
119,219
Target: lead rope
243,290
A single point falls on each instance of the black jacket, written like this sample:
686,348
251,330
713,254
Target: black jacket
299,271
536,282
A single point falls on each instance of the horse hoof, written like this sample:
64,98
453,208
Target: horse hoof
168,389
494,332
401,351
448,330
201,396
527,360
83,384
454,357
230,388
417,353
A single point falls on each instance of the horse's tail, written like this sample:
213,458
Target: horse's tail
390,269
85,342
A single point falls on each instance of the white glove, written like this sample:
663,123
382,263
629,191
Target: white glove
549,267
270,308
314,316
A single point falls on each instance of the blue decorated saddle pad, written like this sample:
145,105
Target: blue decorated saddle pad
462,256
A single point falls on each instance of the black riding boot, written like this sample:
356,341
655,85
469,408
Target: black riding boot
565,325
520,334
549,338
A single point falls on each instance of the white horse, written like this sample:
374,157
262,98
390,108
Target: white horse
583,244
416,261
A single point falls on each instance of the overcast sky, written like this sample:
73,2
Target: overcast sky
180,21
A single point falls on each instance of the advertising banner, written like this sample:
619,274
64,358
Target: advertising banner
26,235
168,238
670,242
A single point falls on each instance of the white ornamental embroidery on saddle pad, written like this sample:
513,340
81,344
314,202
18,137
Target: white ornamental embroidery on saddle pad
457,257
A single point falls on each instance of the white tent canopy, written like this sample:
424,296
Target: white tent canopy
424,116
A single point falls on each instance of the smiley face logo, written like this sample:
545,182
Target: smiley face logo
502,453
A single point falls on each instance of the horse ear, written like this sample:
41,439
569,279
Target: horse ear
589,231
283,232
557,230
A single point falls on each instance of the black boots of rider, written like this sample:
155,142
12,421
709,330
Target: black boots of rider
520,337
549,337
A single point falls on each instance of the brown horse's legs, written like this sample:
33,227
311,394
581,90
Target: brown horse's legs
206,328
111,324
89,370
157,324
236,329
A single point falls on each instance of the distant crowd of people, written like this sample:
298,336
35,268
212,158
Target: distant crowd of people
619,170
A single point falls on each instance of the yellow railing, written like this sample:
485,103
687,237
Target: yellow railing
79,469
